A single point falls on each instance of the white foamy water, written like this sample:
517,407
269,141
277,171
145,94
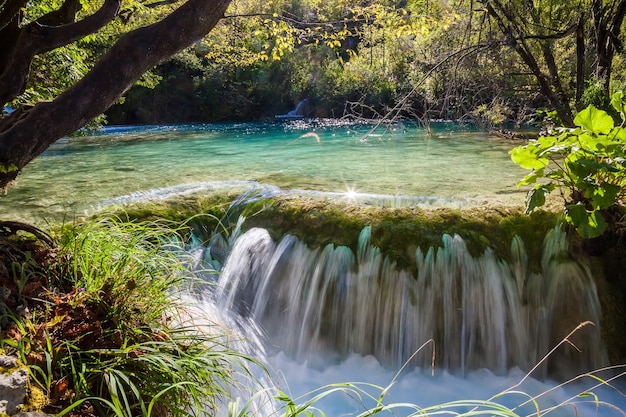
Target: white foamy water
327,316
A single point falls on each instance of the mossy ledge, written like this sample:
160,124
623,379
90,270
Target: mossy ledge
399,232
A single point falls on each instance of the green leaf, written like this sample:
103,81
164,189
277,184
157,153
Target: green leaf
587,224
535,198
619,134
556,175
5,169
531,178
617,101
605,195
527,159
594,120
585,167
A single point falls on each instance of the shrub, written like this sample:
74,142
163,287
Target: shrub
587,164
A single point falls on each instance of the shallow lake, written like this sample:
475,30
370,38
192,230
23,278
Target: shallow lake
400,164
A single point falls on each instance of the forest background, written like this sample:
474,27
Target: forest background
489,62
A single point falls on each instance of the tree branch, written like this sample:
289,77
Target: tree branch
135,53
54,37
64,15
10,10
520,45
35,39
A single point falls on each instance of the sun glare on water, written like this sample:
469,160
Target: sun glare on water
351,194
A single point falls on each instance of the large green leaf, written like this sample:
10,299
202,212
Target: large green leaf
604,195
594,120
587,224
527,159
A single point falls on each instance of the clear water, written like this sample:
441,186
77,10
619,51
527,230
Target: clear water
404,163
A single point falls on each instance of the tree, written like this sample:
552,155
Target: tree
543,32
30,130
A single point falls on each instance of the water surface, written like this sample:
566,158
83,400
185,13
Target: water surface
404,162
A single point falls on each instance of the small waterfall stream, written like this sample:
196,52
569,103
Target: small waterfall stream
471,312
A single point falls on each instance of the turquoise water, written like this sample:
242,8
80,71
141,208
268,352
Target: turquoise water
403,163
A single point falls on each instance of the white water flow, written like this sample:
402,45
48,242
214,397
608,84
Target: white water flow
330,316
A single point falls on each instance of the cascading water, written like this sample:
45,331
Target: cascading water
479,312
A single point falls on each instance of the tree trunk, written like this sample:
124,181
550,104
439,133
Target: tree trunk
516,37
26,134
607,24
580,62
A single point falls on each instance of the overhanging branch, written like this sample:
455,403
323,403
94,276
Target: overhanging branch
10,10
54,37
64,15
134,53
36,38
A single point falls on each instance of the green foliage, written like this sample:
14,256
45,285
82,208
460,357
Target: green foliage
5,169
595,95
588,165
112,337
123,266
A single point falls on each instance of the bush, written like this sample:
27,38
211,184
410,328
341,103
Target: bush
106,339
587,164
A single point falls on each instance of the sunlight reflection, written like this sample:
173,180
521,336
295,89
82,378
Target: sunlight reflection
351,194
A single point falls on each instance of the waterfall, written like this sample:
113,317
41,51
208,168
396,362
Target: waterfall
469,312
298,112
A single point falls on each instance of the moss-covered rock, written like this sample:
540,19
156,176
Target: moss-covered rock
13,382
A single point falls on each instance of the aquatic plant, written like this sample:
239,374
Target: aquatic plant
587,164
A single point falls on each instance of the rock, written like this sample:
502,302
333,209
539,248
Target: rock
12,385
8,361
33,414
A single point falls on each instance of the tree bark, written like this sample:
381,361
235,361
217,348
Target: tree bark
607,24
580,62
35,38
64,15
25,135
10,11
517,39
